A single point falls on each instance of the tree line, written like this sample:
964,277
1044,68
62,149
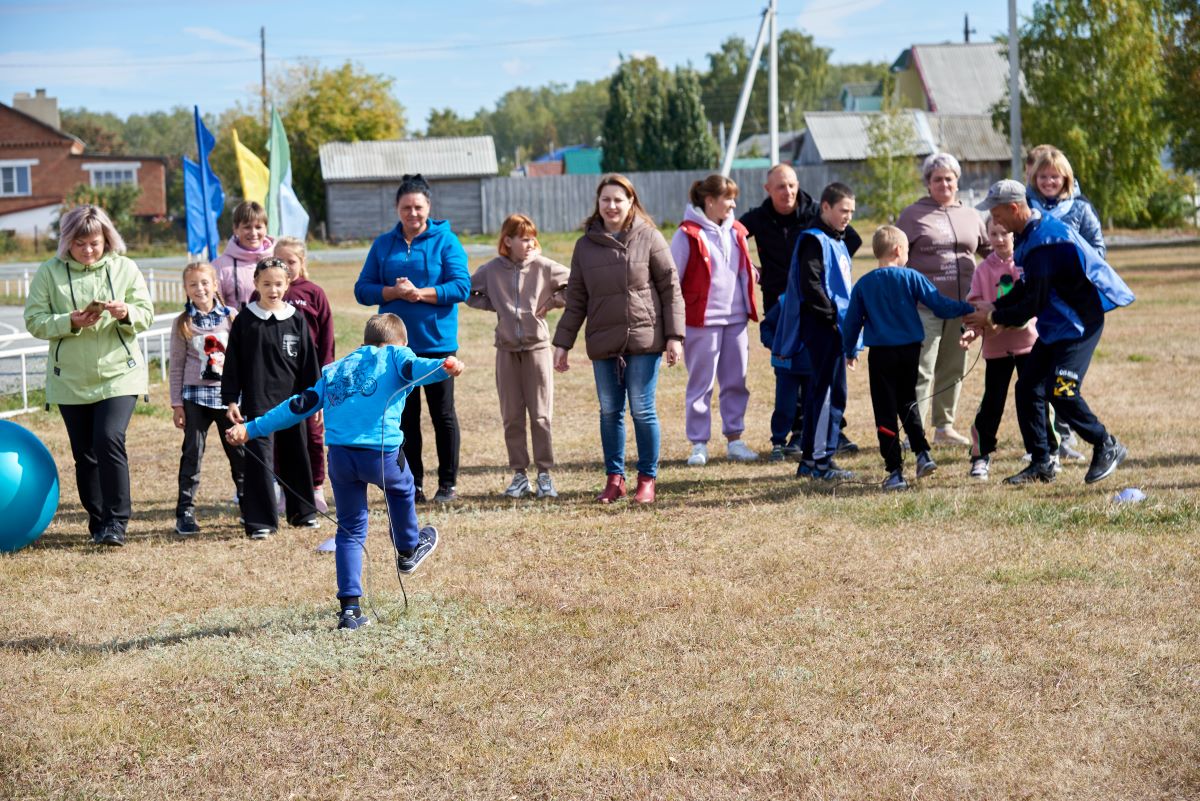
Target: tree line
1108,81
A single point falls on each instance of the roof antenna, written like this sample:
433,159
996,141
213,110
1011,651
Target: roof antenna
967,29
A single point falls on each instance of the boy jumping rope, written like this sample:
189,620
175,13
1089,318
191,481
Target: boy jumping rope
363,397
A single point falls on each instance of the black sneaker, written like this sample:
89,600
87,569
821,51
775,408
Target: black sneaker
110,535
352,618
258,533
1106,458
844,446
445,495
419,496
1042,472
427,540
185,524
895,481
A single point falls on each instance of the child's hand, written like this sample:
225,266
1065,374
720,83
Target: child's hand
319,418
177,416
967,338
236,435
234,414
561,364
852,363
453,366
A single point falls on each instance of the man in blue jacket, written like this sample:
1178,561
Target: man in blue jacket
1068,287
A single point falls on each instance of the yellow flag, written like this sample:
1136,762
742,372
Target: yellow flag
254,174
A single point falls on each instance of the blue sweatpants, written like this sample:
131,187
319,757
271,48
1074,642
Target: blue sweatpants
350,471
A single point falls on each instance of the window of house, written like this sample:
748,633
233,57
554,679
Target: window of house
14,178
112,174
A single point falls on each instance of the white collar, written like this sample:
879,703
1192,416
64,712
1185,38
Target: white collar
280,314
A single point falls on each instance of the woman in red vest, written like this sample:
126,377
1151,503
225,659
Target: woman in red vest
717,279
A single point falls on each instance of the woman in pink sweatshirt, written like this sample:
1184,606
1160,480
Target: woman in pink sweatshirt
249,243
717,280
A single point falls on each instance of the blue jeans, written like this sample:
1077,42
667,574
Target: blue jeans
350,471
639,381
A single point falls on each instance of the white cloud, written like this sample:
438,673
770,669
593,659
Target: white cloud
824,19
100,67
513,67
213,35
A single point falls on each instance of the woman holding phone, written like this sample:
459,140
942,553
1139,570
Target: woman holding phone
91,302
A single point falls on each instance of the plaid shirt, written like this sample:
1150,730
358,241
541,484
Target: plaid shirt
202,395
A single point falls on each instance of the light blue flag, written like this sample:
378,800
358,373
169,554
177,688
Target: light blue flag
285,215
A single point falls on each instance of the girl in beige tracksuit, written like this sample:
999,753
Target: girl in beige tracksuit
521,285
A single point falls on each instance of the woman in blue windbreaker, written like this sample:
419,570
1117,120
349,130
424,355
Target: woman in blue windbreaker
418,271
1051,188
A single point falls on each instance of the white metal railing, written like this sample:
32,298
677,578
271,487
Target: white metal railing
164,288
155,343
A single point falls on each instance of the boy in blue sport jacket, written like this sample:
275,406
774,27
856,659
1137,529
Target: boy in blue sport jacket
363,397
883,308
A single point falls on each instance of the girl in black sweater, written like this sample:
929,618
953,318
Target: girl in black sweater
271,357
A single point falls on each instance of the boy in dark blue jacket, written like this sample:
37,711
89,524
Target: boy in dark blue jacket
363,397
883,307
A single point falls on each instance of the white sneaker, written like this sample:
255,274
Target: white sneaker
699,456
738,451
319,500
946,435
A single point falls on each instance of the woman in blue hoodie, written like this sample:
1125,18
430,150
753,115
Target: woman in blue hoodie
418,271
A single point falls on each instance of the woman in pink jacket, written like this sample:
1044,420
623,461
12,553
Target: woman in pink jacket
717,280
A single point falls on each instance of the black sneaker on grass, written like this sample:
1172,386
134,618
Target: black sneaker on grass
1106,458
258,533
1036,472
445,494
352,618
185,524
427,540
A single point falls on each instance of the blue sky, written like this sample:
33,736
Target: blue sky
128,56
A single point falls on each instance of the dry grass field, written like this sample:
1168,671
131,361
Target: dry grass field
751,636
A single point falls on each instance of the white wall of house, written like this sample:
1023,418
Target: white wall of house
30,221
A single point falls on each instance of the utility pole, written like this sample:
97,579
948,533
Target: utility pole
967,29
773,86
262,53
744,97
1014,92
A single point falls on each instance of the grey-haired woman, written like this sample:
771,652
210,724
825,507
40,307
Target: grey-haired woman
944,238
91,302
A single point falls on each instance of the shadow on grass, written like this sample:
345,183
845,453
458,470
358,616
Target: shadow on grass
161,517
1165,460
34,645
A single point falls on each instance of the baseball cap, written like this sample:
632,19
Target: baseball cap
1001,192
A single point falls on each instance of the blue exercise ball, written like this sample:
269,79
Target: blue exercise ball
28,487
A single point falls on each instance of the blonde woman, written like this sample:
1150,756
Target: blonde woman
91,302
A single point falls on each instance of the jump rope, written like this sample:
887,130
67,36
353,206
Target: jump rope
387,504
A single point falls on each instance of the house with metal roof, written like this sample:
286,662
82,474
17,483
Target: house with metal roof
951,78
843,138
361,179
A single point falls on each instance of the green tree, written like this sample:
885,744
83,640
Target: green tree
343,104
695,148
118,201
803,75
446,122
657,148
1181,54
1094,73
890,179
101,132
623,120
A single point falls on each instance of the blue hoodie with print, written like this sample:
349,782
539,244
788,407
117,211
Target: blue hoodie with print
434,259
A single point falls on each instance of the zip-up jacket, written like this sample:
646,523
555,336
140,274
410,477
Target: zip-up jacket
434,259
520,294
716,275
235,270
985,288
1075,212
88,365
628,291
363,396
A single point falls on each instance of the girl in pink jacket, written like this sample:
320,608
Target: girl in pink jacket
249,243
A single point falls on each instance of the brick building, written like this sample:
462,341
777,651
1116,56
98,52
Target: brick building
40,164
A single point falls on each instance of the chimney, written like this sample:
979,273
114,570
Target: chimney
40,107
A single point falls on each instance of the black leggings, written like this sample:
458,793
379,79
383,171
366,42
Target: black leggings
197,420
97,434
440,397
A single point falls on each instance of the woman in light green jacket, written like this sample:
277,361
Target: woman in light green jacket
91,302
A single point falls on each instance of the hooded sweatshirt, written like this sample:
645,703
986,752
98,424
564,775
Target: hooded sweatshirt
102,361
434,259
942,243
729,273
235,270
984,287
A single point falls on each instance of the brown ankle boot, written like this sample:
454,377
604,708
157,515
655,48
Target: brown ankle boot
644,493
614,490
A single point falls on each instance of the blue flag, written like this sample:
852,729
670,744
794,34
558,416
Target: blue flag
203,195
